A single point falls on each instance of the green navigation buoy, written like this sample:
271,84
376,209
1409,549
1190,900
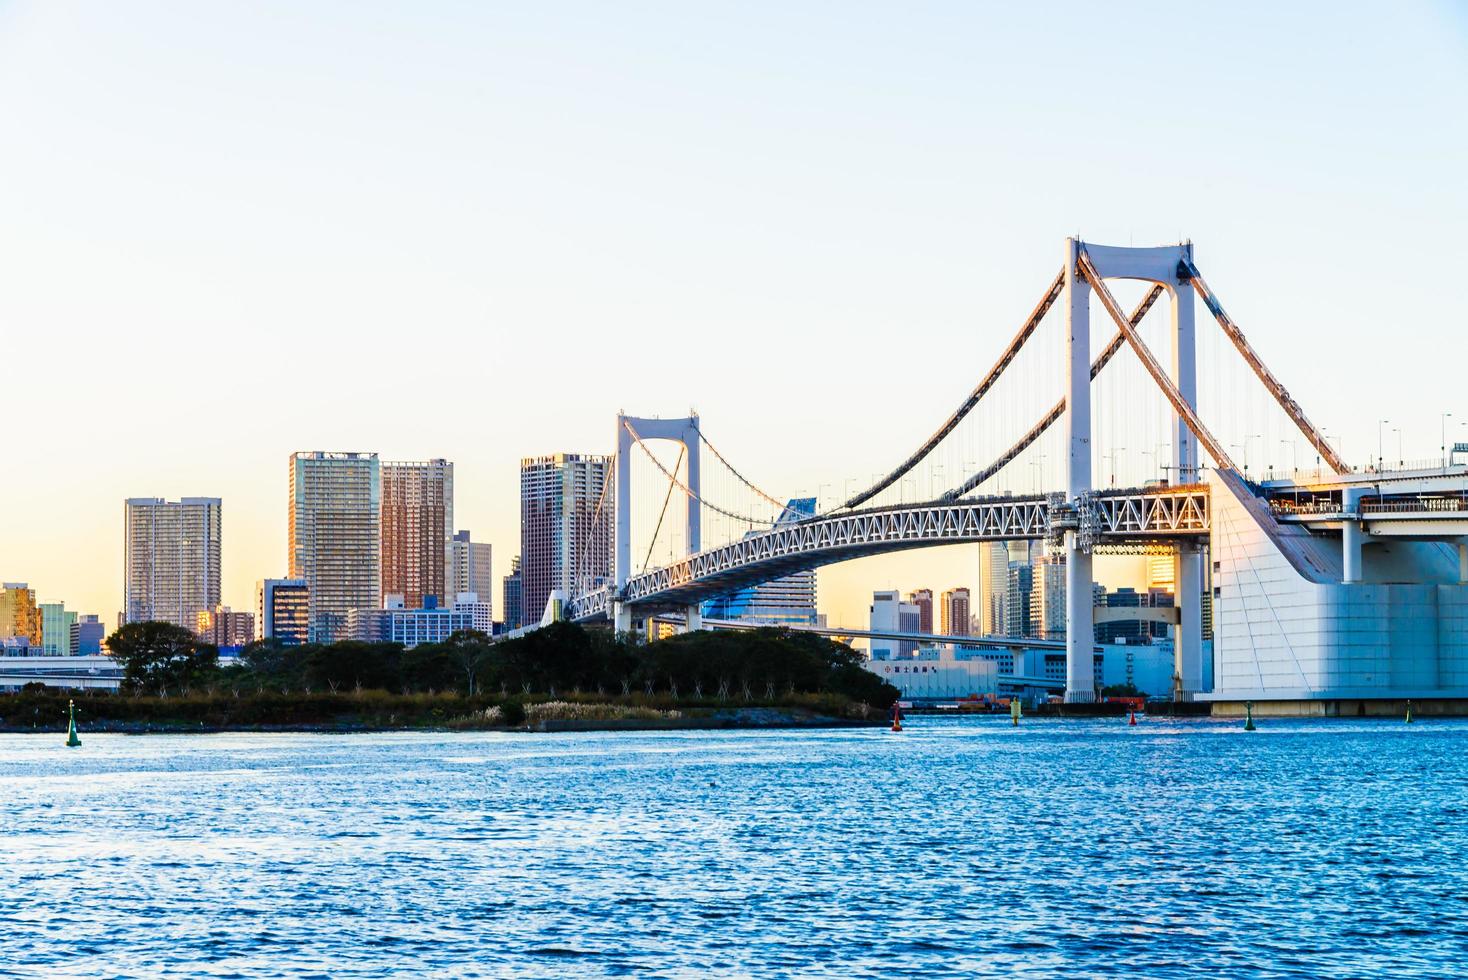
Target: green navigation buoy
71,740
1248,716
1409,711
1014,711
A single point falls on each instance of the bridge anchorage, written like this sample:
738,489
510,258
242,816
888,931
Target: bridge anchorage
1278,547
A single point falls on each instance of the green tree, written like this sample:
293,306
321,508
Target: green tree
156,656
470,653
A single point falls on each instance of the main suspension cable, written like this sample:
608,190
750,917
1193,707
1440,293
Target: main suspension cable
740,476
1043,307
1052,416
684,487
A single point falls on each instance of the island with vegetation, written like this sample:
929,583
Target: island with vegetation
563,677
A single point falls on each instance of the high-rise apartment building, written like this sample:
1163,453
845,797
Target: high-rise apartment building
993,586
471,568
956,616
1047,597
56,622
923,599
417,531
1017,614
565,527
283,611
510,608
171,558
787,601
224,627
335,536
18,613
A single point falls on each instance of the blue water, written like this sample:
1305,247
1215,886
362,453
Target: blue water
1306,849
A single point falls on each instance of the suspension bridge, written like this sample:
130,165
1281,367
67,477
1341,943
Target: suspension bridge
1325,582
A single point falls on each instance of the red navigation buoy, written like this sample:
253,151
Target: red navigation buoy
896,717
1133,720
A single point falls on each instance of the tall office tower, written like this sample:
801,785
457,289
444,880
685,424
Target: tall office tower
224,627
510,607
787,601
923,599
171,558
283,611
955,613
993,586
87,635
56,623
417,528
1047,597
470,569
335,543
18,613
564,535
1017,614
889,614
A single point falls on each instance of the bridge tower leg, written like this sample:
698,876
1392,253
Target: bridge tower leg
693,615
1080,630
622,529
1188,562
1463,562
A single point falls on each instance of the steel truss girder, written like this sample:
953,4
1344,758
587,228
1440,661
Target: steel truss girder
1112,519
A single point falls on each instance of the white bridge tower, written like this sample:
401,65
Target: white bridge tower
629,430
1167,266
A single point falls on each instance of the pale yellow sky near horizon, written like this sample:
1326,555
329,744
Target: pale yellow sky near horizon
476,232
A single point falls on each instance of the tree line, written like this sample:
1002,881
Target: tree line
160,658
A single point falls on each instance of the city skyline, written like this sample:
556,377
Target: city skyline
898,198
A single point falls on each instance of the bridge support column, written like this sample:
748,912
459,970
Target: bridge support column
621,617
1080,630
1188,643
1463,562
1352,537
693,618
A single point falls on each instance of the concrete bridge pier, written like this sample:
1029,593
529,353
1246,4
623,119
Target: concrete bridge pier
1188,648
621,617
693,618
1352,537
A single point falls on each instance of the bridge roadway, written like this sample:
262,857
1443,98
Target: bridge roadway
1152,515
1414,504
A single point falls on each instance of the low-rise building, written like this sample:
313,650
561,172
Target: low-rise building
935,673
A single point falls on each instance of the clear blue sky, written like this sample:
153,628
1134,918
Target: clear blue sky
476,230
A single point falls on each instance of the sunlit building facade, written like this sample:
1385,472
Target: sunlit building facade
56,622
956,616
471,568
565,526
923,599
171,558
335,536
18,613
223,627
417,530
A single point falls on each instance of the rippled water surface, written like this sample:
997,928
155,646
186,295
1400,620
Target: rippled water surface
960,846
